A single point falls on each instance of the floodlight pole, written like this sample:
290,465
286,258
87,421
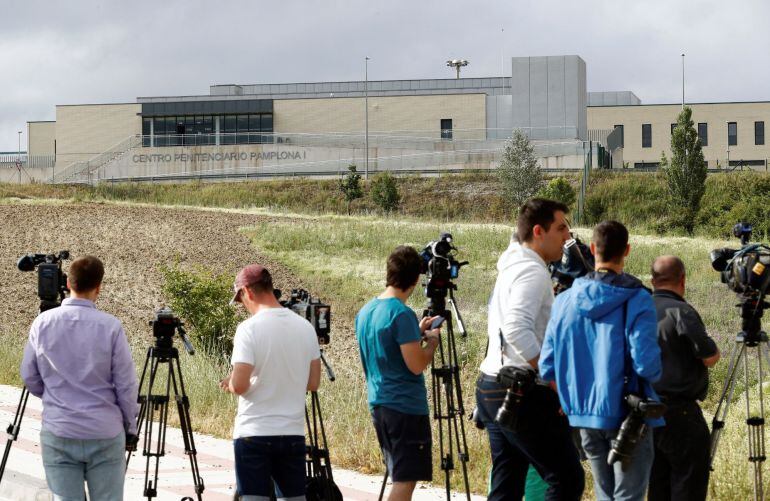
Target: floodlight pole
366,117
457,64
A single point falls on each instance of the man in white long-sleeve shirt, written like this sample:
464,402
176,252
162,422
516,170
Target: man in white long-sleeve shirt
519,309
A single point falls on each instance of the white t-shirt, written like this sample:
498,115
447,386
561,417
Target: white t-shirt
280,345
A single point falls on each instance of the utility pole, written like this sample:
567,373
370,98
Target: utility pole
682,81
18,160
366,117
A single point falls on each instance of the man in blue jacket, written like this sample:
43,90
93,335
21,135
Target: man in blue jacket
601,344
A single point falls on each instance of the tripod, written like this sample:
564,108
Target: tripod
154,406
320,481
319,467
751,342
15,427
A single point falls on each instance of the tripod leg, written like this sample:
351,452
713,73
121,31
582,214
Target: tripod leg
14,428
755,425
142,404
725,398
384,483
159,404
457,410
183,408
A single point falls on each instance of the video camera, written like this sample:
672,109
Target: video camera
518,383
746,271
51,280
164,325
313,310
633,428
438,262
576,261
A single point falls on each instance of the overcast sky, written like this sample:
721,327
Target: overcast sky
57,52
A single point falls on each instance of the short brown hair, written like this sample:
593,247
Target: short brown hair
667,270
403,269
537,211
85,273
610,240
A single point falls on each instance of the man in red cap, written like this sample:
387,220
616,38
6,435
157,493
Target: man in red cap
276,360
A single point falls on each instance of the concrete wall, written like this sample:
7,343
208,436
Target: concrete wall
613,98
549,96
663,115
386,114
41,138
84,131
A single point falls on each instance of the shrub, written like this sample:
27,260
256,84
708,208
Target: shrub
385,192
560,190
350,185
201,299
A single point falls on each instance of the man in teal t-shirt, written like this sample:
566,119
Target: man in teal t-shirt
390,341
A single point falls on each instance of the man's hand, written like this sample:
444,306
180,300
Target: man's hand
225,384
132,441
425,323
432,337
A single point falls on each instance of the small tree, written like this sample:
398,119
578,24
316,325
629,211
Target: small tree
350,185
385,191
686,172
519,171
560,190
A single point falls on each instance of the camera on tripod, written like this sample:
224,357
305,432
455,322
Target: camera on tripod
164,325
633,428
313,310
51,279
746,271
518,382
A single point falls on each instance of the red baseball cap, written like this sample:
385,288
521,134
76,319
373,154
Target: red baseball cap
249,275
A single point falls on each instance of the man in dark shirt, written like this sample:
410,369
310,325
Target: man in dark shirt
681,467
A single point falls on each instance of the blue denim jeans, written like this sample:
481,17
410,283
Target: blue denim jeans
611,482
266,463
542,439
70,462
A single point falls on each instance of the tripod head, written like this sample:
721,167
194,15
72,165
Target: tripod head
164,325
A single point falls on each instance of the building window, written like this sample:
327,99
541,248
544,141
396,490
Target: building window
759,133
200,129
703,134
732,133
646,135
673,126
622,139
446,128
146,130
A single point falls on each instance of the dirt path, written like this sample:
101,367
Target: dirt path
133,241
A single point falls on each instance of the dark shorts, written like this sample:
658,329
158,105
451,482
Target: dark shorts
405,441
261,462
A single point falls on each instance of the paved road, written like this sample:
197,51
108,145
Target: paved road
25,480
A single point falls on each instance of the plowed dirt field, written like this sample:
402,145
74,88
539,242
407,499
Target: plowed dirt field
133,242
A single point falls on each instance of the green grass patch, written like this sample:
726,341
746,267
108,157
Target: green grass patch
343,261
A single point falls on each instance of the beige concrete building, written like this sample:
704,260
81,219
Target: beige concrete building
419,126
734,131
